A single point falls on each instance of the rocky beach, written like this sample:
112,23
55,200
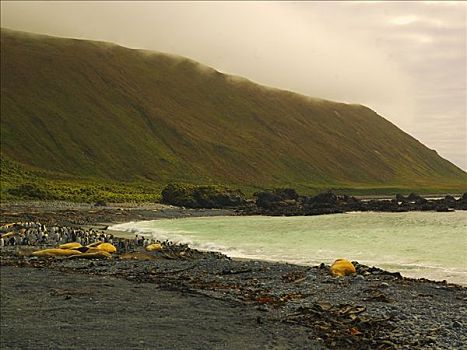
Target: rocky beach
233,175
178,297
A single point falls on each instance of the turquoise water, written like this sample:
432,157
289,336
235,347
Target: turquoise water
417,244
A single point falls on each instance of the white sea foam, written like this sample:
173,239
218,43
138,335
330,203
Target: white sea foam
143,228
430,245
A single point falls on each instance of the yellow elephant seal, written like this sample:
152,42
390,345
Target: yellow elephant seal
8,234
72,245
56,252
342,267
106,247
153,247
89,250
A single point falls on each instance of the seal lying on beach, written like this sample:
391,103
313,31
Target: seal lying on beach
107,247
91,250
72,245
342,267
56,252
9,234
95,250
153,247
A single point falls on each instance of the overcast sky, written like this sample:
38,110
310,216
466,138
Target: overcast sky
405,60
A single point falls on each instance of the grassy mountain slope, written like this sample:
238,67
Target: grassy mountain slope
96,110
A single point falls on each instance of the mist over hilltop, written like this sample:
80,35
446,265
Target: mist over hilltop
91,109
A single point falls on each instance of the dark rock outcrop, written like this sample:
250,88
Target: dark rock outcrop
192,196
286,202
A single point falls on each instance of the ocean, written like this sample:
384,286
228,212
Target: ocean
416,244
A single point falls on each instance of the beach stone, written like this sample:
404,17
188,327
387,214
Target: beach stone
359,278
457,324
384,285
431,339
325,198
402,316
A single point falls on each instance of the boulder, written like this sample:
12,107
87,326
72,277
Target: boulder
286,193
450,201
191,196
443,209
348,199
462,202
179,194
401,198
266,199
325,198
415,198
218,197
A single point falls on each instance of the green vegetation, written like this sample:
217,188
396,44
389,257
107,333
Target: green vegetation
30,191
18,182
83,120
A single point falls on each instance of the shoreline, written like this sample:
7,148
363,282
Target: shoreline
130,235
430,272
372,309
137,212
246,302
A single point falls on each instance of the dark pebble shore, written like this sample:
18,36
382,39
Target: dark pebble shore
185,299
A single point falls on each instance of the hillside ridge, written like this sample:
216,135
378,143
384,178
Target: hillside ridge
91,109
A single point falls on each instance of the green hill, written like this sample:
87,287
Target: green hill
93,111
